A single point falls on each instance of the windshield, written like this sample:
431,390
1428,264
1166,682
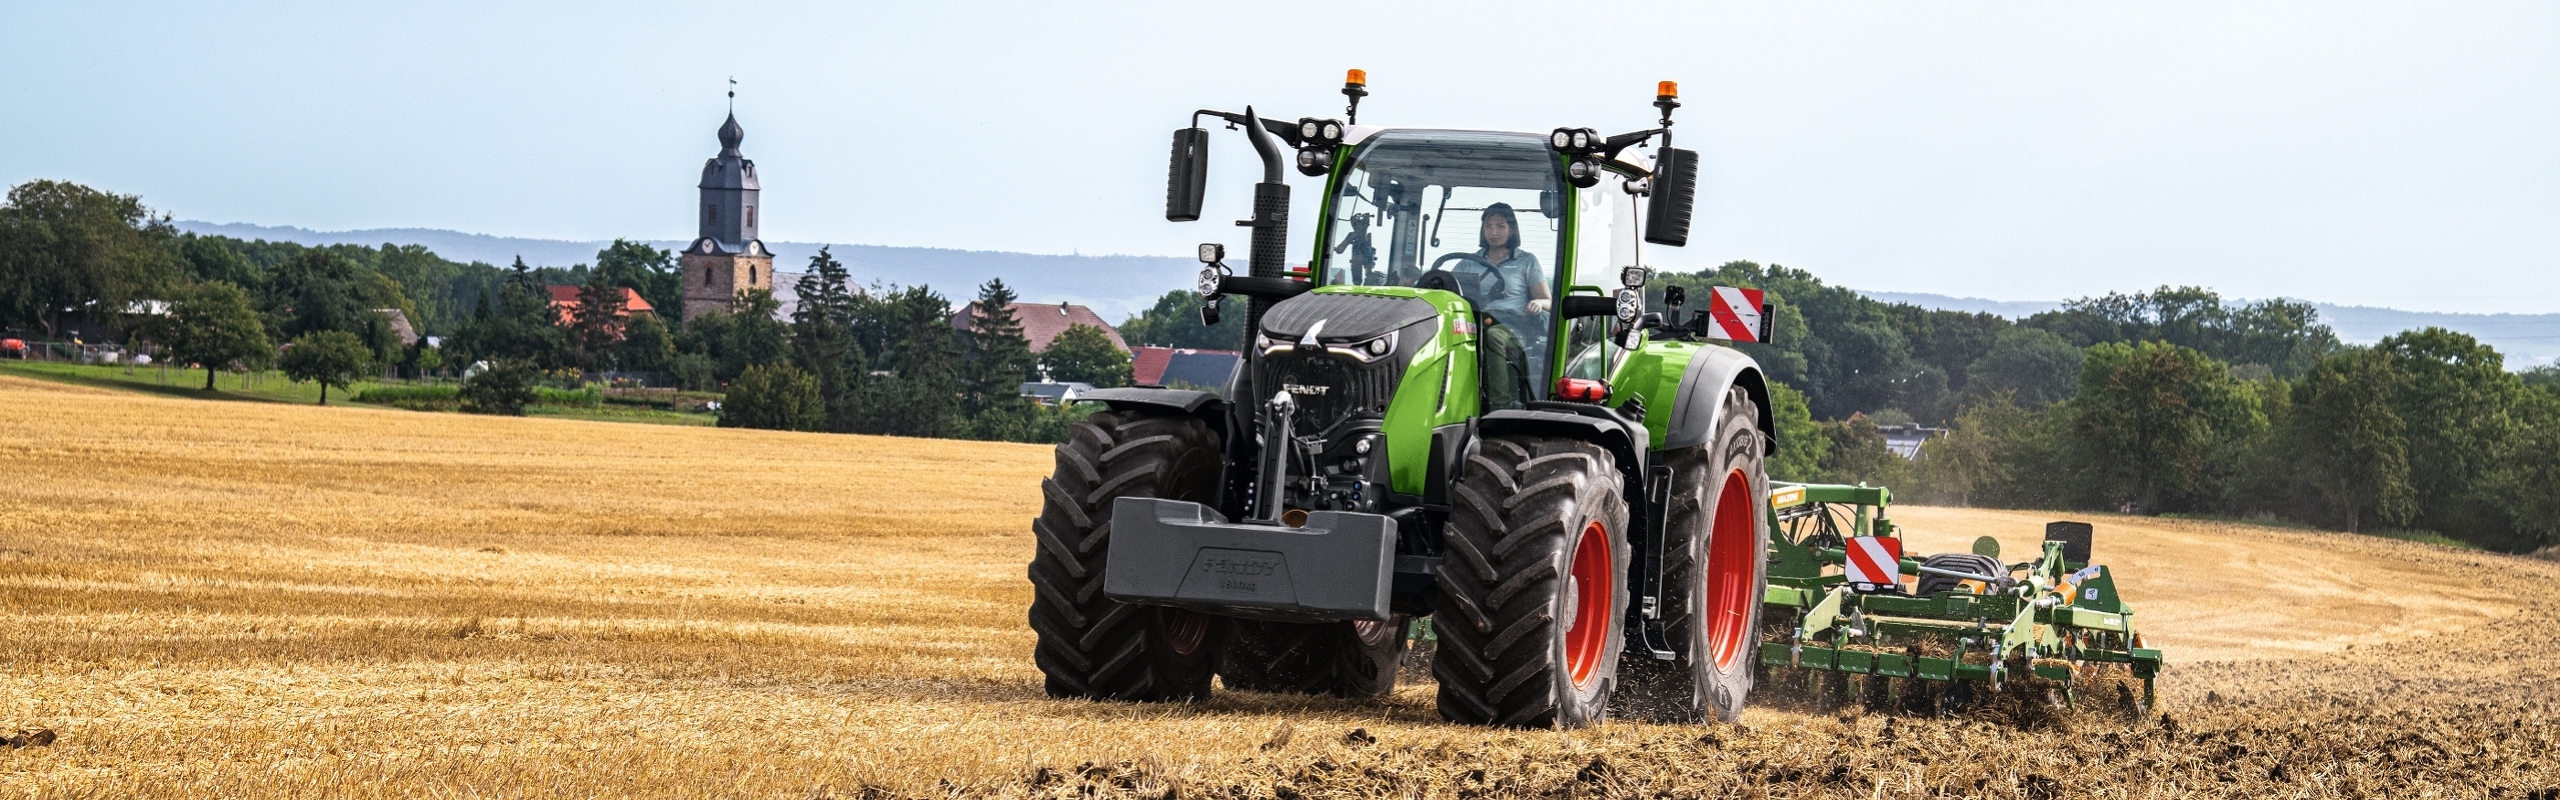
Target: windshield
1459,210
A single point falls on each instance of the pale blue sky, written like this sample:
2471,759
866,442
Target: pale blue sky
2403,154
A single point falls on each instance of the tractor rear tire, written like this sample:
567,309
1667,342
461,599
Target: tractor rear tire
1715,572
1531,601
1091,646
1343,659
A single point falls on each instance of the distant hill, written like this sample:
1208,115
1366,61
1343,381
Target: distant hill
2526,339
1114,286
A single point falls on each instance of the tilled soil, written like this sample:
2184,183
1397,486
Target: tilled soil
258,601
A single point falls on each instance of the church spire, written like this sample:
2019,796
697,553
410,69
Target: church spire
730,136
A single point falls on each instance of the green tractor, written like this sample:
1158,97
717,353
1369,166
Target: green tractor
1443,418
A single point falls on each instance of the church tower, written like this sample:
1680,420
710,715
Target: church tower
726,258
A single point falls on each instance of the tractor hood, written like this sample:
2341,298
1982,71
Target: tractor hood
1345,318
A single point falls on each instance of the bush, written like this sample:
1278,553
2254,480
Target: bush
774,397
414,398
505,388
585,397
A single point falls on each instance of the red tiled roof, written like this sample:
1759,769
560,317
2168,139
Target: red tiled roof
1146,364
1042,322
564,299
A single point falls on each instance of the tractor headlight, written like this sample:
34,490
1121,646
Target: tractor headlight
1582,139
1368,351
1212,252
1332,131
1632,277
1315,162
1583,173
1562,139
1630,305
1308,127
1210,276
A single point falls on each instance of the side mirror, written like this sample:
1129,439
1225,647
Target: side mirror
1675,189
1551,204
1675,296
1187,180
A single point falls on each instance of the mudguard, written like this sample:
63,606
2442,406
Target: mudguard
1701,398
1598,424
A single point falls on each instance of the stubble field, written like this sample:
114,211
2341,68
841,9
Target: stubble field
249,600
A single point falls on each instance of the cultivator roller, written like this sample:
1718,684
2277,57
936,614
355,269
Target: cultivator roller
1843,600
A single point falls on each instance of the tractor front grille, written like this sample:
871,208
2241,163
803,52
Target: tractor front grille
1328,388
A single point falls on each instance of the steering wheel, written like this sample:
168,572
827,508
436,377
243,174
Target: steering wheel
1447,280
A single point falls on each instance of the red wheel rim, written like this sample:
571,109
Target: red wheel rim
1594,585
1371,632
1184,630
1733,565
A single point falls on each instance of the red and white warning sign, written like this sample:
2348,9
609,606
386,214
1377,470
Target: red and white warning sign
1875,561
1739,315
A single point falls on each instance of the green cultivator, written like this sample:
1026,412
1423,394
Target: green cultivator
1843,600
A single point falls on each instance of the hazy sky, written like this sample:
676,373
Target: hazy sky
2403,154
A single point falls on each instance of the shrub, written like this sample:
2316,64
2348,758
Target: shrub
414,398
505,388
584,397
775,397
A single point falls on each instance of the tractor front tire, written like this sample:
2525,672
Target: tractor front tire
1343,659
1715,572
1091,646
1531,601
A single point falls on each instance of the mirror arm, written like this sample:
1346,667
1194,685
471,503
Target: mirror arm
1272,289
1286,130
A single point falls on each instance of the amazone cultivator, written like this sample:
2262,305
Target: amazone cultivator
1843,600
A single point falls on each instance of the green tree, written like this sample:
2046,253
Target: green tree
999,355
2034,367
822,341
210,258
213,325
754,337
2156,422
922,399
2529,467
775,397
1085,354
1978,451
503,388
1174,321
428,359
332,358
1801,443
2456,399
595,329
2349,444
1857,454
65,246
648,270
514,320
646,346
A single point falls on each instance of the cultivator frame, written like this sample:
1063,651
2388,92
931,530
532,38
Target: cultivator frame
2050,617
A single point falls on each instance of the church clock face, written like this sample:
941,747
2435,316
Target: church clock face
706,245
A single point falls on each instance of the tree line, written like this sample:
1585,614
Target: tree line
886,359
2169,401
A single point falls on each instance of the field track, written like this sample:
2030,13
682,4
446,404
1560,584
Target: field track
258,600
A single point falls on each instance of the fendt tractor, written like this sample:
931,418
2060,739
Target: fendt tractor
1442,418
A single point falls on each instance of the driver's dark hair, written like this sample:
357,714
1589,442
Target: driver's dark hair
1502,210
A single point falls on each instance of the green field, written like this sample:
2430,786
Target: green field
273,387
